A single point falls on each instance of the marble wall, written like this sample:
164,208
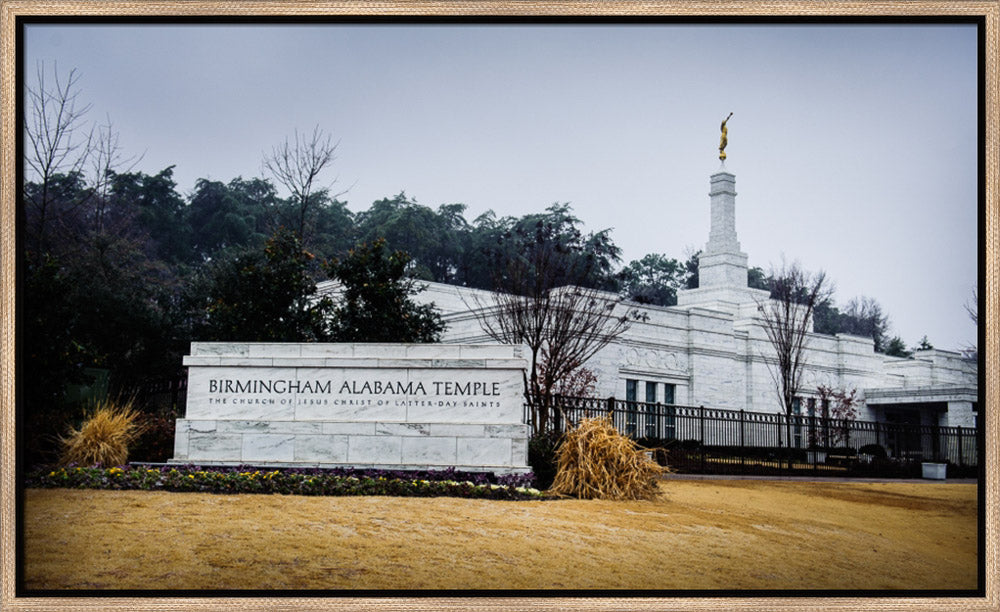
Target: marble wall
394,406
713,348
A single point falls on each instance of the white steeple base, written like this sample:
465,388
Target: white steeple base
741,302
722,267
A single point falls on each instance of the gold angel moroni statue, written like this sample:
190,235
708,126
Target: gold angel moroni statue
724,140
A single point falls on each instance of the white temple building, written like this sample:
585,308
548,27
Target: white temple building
712,350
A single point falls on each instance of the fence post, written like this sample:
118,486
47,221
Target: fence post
777,426
812,442
788,444
907,434
701,419
961,457
743,451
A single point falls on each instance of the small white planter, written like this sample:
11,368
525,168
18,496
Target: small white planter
934,471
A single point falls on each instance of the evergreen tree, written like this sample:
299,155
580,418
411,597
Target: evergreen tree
376,304
654,279
265,296
895,347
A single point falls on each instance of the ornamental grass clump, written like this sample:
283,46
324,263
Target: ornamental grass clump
595,461
104,438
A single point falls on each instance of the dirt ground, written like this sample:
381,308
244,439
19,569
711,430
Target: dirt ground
711,534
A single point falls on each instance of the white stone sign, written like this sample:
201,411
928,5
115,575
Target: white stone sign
393,406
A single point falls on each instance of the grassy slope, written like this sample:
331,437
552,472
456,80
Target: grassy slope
699,534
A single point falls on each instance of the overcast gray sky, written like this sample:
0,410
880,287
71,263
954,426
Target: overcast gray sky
854,147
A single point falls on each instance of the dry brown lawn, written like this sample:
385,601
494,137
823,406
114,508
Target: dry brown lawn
737,534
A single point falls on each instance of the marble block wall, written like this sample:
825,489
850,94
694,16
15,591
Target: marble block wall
393,406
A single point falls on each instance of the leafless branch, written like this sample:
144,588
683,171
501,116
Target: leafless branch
787,321
54,125
58,142
568,324
297,166
971,351
106,160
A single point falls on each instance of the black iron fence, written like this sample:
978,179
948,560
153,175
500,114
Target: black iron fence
710,440
167,394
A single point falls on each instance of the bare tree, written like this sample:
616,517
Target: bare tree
69,163
564,323
787,321
841,407
58,142
863,316
971,351
297,165
581,382
972,307
106,159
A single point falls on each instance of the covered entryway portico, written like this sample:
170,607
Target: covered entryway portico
947,406
936,410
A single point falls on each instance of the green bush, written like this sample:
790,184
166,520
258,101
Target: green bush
875,450
660,451
689,445
542,457
156,444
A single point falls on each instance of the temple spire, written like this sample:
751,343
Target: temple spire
722,264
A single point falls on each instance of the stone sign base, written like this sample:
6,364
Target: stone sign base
387,406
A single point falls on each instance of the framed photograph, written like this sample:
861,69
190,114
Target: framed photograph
192,189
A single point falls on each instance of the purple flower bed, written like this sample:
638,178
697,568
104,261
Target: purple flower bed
479,478
289,481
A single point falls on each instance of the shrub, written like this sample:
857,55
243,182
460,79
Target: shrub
690,445
105,436
595,461
875,450
885,468
156,443
542,457
659,450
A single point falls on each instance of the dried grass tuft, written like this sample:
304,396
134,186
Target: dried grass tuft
105,436
595,461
